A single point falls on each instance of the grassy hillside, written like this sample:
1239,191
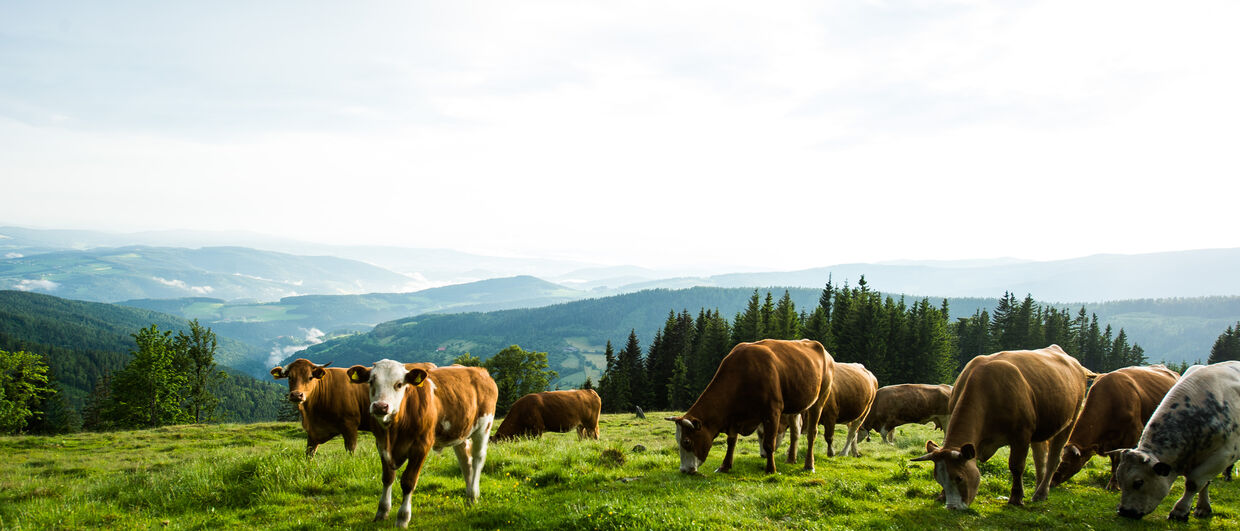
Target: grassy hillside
256,477
83,340
136,272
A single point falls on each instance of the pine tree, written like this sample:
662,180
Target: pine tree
679,395
786,323
633,370
1227,346
748,324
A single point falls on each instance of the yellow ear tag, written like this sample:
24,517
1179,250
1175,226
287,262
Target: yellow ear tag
420,383
353,376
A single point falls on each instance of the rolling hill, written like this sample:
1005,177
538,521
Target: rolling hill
122,273
292,323
83,340
573,334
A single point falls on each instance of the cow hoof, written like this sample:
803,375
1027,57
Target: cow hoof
1203,514
808,470
1182,517
1016,503
1039,497
722,470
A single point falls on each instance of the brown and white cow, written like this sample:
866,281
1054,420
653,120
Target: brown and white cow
1116,409
328,403
557,411
754,385
852,393
415,411
900,404
1017,398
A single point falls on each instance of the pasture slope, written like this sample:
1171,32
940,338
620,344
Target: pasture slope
256,476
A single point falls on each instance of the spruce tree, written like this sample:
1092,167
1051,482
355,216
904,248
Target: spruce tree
1227,346
748,324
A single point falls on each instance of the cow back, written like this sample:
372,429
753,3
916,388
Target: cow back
462,397
1118,405
755,375
853,389
907,403
1011,392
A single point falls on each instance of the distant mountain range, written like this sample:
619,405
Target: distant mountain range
108,267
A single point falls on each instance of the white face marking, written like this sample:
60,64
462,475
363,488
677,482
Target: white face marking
387,385
446,425
689,463
952,494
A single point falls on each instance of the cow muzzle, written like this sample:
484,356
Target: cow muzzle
1129,513
297,397
379,409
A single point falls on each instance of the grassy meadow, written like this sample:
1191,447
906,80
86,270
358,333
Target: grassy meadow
256,476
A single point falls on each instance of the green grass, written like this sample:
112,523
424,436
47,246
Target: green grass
256,476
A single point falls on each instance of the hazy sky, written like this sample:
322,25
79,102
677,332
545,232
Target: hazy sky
782,135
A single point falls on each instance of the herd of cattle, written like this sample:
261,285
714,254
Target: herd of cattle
1154,424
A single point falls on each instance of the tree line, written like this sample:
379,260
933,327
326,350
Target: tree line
899,341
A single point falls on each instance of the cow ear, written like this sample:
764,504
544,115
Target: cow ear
415,377
968,452
930,446
318,372
1072,449
358,374
1162,469
277,372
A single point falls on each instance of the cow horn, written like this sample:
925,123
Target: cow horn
926,457
325,364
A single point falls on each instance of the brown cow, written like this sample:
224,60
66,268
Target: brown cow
329,405
1013,398
557,411
896,405
754,385
415,411
1116,410
852,393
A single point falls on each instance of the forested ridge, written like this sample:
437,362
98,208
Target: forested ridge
82,342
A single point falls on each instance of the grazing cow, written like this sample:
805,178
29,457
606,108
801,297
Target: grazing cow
329,405
1195,433
416,410
1116,408
896,405
1013,398
557,411
754,385
852,393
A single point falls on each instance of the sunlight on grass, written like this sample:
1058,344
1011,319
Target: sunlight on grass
256,476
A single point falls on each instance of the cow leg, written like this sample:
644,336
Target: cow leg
463,460
1185,503
853,434
1203,503
1054,453
385,499
311,448
1016,466
794,429
810,425
771,431
726,465
350,440
1039,464
1113,484
479,441
408,482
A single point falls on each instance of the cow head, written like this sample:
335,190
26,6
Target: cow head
956,470
693,441
303,377
1071,461
1143,482
388,382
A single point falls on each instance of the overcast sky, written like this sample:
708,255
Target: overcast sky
779,135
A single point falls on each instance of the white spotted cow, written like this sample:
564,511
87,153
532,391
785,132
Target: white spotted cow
419,410
1195,433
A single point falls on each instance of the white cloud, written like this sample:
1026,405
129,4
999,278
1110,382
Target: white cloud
12,255
312,336
26,284
181,284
